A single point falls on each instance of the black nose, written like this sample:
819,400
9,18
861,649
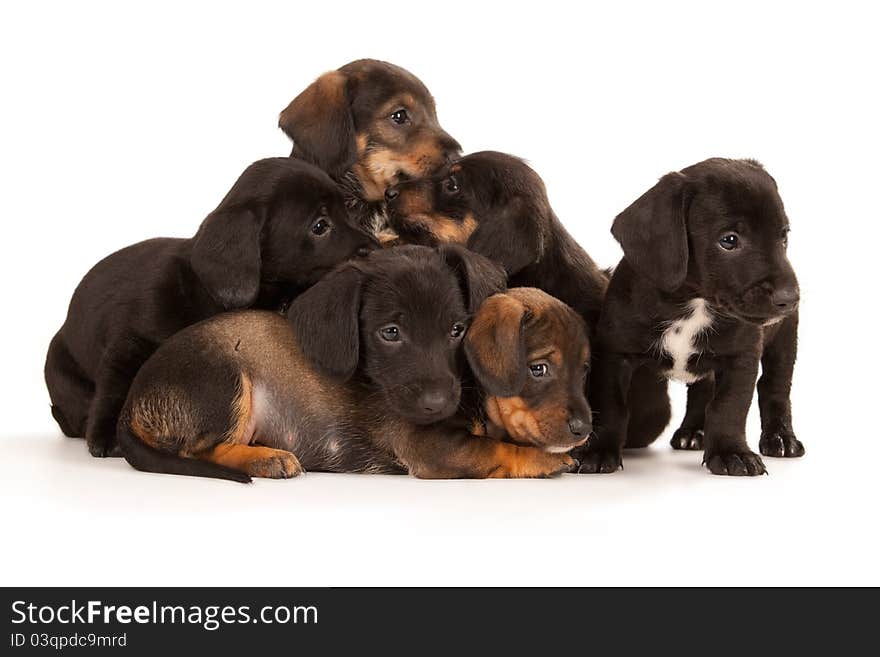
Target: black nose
578,427
391,193
433,401
785,298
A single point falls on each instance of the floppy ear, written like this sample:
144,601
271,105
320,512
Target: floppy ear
226,255
325,322
653,233
478,277
321,125
495,345
512,237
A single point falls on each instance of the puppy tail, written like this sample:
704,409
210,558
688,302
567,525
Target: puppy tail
145,458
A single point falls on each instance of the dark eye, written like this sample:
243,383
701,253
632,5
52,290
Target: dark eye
538,370
729,241
390,334
320,227
450,185
400,117
457,330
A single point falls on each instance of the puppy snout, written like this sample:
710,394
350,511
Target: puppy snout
785,299
391,193
434,401
579,427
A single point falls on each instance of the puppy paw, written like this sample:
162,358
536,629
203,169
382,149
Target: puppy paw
735,463
781,444
600,461
687,439
102,449
282,465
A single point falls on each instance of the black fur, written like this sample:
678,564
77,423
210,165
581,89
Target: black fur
674,240
255,249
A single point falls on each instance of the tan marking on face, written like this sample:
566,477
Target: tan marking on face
515,415
378,166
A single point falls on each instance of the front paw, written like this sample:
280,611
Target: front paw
687,439
781,444
104,448
600,461
281,465
743,463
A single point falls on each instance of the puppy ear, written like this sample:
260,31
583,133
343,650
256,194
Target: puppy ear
321,125
325,321
495,345
226,255
513,237
478,277
653,233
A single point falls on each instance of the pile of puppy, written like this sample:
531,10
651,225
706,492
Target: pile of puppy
376,303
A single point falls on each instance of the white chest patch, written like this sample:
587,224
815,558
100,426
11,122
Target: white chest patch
678,341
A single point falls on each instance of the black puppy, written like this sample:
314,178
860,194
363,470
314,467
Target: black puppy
281,226
497,205
367,380
368,124
704,292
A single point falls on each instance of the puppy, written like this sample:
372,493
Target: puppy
368,124
364,375
281,226
497,205
530,355
704,292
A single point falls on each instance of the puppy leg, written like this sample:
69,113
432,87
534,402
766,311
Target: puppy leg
255,460
649,408
774,389
690,434
69,389
118,368
726,450
438,455
609,387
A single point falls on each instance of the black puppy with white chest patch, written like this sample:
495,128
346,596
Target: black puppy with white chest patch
704,293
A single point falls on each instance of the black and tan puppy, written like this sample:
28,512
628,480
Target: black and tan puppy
704,293
281,226
497,205
369,125
530,355
363,376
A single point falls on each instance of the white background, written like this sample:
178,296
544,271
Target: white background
121,123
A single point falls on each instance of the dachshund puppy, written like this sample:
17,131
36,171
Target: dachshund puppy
364,375
369,125
281,226
704,292
530,355
497,205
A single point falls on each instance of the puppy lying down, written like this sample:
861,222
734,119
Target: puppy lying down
366,374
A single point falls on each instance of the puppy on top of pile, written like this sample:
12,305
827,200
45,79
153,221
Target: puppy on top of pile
378,303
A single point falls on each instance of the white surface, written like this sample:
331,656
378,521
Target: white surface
120,124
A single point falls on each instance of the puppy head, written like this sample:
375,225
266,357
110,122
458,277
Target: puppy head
492,202
397,318
284,221
530,353
372,120
718,230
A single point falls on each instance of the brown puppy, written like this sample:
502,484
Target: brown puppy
278,230
530,355
705,292
363,376
369,125
496,205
